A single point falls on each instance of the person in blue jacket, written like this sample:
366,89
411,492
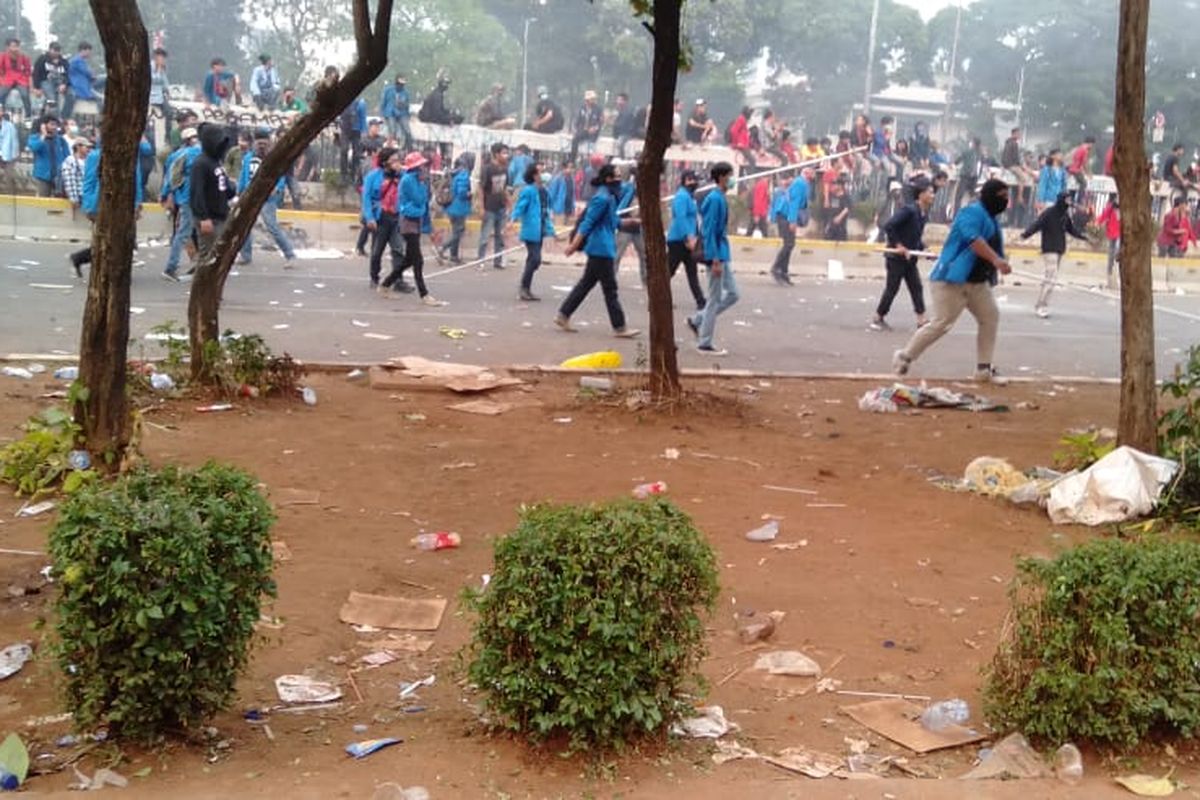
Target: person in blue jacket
1052,181
596,236
90,200
394,108
517,166
962,280
81,83
176,194
790,211
270,210
722,288
414,216
562,191
630,233
684,234
49,150
460,204
532,210
380,213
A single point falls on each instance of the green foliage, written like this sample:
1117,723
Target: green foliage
1103,645
37,463
1179,432
1081,449
593,624
161,576
236,360
174,342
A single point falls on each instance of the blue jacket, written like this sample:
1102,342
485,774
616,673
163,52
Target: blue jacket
685,217
535,220
184,193
414,199
360,115
89,200
250,165
714,211
394,104
628,193
797,200
210,87
460,189
516,169
958,259
371,190
599,225
48,155
1051,183
562,194
80,78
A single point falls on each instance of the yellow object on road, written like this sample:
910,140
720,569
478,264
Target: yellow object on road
605,359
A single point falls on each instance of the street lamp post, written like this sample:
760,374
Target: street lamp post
525,71
871,58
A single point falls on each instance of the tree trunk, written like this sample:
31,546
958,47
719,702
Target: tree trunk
102,411
664,364
204,301
1137,426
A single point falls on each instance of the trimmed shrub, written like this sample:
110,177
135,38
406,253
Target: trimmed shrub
1103,645
161,577
1179,435
593,624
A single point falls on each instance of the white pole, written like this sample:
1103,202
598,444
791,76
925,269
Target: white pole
871,57
953,65
524,76
1020,94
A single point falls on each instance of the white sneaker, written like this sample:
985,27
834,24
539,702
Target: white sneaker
900,362
879,325
712,351
1042,312
430,300
990,375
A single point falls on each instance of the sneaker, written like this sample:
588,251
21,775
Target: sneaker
1042,312
711,351
289,263
528,296
900,362
358,251
989,375
75,266
244,261
169,276
626,333
385,291
430,300
564,324
879,325
693,327
455,261
191,271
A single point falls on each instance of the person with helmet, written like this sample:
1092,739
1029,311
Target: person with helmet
547,115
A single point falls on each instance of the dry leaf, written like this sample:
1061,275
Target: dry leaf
1147,786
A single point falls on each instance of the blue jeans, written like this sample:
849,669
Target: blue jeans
183,232
398,127
458,226
722,294
22,92
495,221
269,220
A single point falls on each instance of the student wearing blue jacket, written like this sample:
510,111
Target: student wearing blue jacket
49,150
1052,181
596,236
90,199
962,280
790,212
176,194
414,220
532,210
270,210
380,213
630,233
722,288
81,82
562,191
460,204
684,234
394,108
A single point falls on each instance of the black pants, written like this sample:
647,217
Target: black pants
533,260
678,253
782,261
902,269
604,272
364,234
578,139
387,234
84,256
414,259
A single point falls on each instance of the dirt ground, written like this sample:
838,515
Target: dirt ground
391,463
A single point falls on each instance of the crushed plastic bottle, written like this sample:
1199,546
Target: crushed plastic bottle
441,540
79,459
310,395
66,373
765,533
941,715
161,382
650,490
1068,764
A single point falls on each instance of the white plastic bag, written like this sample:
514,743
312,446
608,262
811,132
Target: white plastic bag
1123,485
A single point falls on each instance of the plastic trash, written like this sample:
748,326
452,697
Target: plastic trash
605,359
14,763
303,689
596,383
79,459
310,396
941,715
161,382
246,390
788,662
66,373
215,407
647,490
1124,484
442,540
13,657
17,372
1068,764
764,533
709,723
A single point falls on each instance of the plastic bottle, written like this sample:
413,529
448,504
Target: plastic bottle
765,533
436,541
596,383
1068,764
8,781
79,459
310,396
66,373
650,490
161,382
939,716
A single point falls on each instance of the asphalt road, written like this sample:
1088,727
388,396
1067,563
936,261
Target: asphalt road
324,311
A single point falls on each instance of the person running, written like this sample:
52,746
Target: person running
493,181
631,232
722,288
414,220
532,210
90,201
596,236
176,197
270,209
904,232
962,280
684,234
460,204
1110,222
380,204
1054,224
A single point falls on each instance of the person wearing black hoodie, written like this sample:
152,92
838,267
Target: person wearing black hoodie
1054,224
211,187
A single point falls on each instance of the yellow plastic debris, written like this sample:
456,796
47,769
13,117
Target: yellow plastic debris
605,359
1147,785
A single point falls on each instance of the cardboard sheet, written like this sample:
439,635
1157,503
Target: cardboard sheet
400,613
898,720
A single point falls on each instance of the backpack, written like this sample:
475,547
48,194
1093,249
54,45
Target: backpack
443,189
178,176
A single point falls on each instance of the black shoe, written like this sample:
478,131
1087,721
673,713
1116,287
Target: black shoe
358,251
404,288
191,271
455,261
374,284
528,296
693,327
498,266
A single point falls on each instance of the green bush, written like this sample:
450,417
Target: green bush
593,624
1179,433
161,577
39,462
1103,644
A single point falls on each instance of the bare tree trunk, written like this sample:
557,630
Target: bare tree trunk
1137,426
204,302
664,364
103,409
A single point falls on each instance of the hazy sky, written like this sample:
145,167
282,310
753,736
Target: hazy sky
927,7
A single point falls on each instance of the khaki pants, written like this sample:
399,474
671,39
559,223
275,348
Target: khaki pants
949,301
1050,262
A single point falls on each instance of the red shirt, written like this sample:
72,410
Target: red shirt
1108,161
1110,218
14,71
1079,158
1176,229
739,133
761,199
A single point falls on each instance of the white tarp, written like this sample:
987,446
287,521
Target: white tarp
1123,485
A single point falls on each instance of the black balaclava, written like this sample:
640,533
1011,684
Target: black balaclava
990,199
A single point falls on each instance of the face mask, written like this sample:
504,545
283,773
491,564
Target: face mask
995,204
691,187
